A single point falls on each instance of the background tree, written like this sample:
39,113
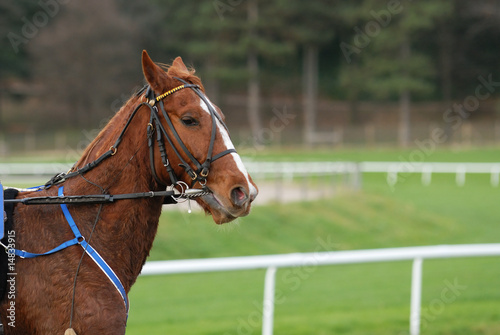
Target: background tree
14,59
230,40
309,26
388,52
73,89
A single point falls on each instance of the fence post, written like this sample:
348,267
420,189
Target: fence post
495,171
392,175
279,187
426,175
268,308
460,178
416,296
357,176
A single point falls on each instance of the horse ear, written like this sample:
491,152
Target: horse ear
178,63
155,76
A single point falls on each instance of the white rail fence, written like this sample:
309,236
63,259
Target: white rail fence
395,169
273,262
291,170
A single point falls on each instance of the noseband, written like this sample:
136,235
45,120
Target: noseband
201,170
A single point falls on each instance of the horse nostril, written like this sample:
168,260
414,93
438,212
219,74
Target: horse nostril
253,194
239,196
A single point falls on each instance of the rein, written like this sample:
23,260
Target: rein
108,198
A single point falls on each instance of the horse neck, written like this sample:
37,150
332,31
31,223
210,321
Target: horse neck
130,165
126,229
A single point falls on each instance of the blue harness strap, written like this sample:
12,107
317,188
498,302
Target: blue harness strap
107,271
25,254
94,254
79,239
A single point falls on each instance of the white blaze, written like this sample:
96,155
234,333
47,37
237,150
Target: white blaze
229,145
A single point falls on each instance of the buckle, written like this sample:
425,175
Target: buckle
204,172
151,129
193,175
57,179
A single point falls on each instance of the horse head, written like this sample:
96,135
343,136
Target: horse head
199,148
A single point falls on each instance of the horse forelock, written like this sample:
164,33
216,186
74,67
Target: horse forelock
189,75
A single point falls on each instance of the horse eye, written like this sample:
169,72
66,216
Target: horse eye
189,121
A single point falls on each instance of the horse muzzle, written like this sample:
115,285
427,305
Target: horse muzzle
226,209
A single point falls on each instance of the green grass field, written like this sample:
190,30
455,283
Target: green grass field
347,299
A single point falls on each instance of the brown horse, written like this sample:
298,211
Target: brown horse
123,231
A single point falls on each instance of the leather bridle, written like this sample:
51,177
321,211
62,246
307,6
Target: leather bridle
201,170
